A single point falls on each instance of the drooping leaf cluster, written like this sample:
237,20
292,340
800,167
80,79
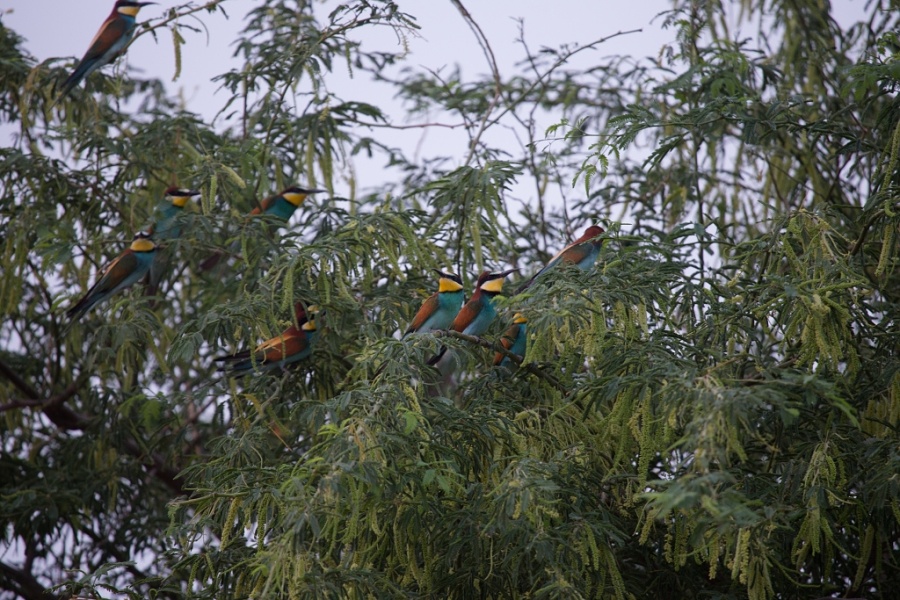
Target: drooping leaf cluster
711,409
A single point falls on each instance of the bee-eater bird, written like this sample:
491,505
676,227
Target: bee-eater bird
293,344
514,339
439,310
582,253
280,205
121,273
166,227
476,316
284,204
110,41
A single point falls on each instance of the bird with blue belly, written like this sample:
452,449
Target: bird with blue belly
513,340
284,204
109,43
478,313
123,272
439,310
291,346
581,253
166,227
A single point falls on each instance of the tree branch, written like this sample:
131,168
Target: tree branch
495,74
24,584
67,419
530,367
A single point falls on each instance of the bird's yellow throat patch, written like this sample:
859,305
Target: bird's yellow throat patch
142,245
494,285
130,11
448,285
294,198
180,201
519,318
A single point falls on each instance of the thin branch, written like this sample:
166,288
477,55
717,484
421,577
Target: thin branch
67,419
496,347
495,73
24,584
17,381
413,126
561,61
157,467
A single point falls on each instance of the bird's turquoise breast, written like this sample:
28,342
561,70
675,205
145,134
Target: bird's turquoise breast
480,323
167,224
585,263
144,261
518,346
449,304
282,209
310,340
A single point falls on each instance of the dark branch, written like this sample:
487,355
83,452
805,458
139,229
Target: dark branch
65,418
530,367
23,584
17,381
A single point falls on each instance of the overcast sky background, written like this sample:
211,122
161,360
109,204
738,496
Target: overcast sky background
63,28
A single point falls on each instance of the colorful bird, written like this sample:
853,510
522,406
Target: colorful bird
514,339
284,204
280,205
166,227
110,41
439,310
293,344
476,316
121,273
581,253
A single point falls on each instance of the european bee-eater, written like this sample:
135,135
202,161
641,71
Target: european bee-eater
514,339
476,316
293,344
280,205
166,227
284,204
439,310
121,273
582,253
110,41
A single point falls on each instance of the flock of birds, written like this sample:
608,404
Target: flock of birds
446,309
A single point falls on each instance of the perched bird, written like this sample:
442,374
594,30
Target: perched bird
280,205
121,273
293,344
284,204
110,41
439,310
476,316
582,253
166,227
514,339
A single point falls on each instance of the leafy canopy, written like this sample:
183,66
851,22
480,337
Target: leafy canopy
710,410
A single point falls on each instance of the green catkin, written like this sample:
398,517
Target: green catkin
177,41
230,518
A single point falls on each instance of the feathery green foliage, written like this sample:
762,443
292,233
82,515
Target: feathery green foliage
711,410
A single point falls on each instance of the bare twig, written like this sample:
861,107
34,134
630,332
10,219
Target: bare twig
495,73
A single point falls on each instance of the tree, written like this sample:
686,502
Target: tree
711,410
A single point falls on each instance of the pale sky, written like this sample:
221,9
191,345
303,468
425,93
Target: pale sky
62,28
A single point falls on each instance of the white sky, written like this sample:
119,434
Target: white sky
63,28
